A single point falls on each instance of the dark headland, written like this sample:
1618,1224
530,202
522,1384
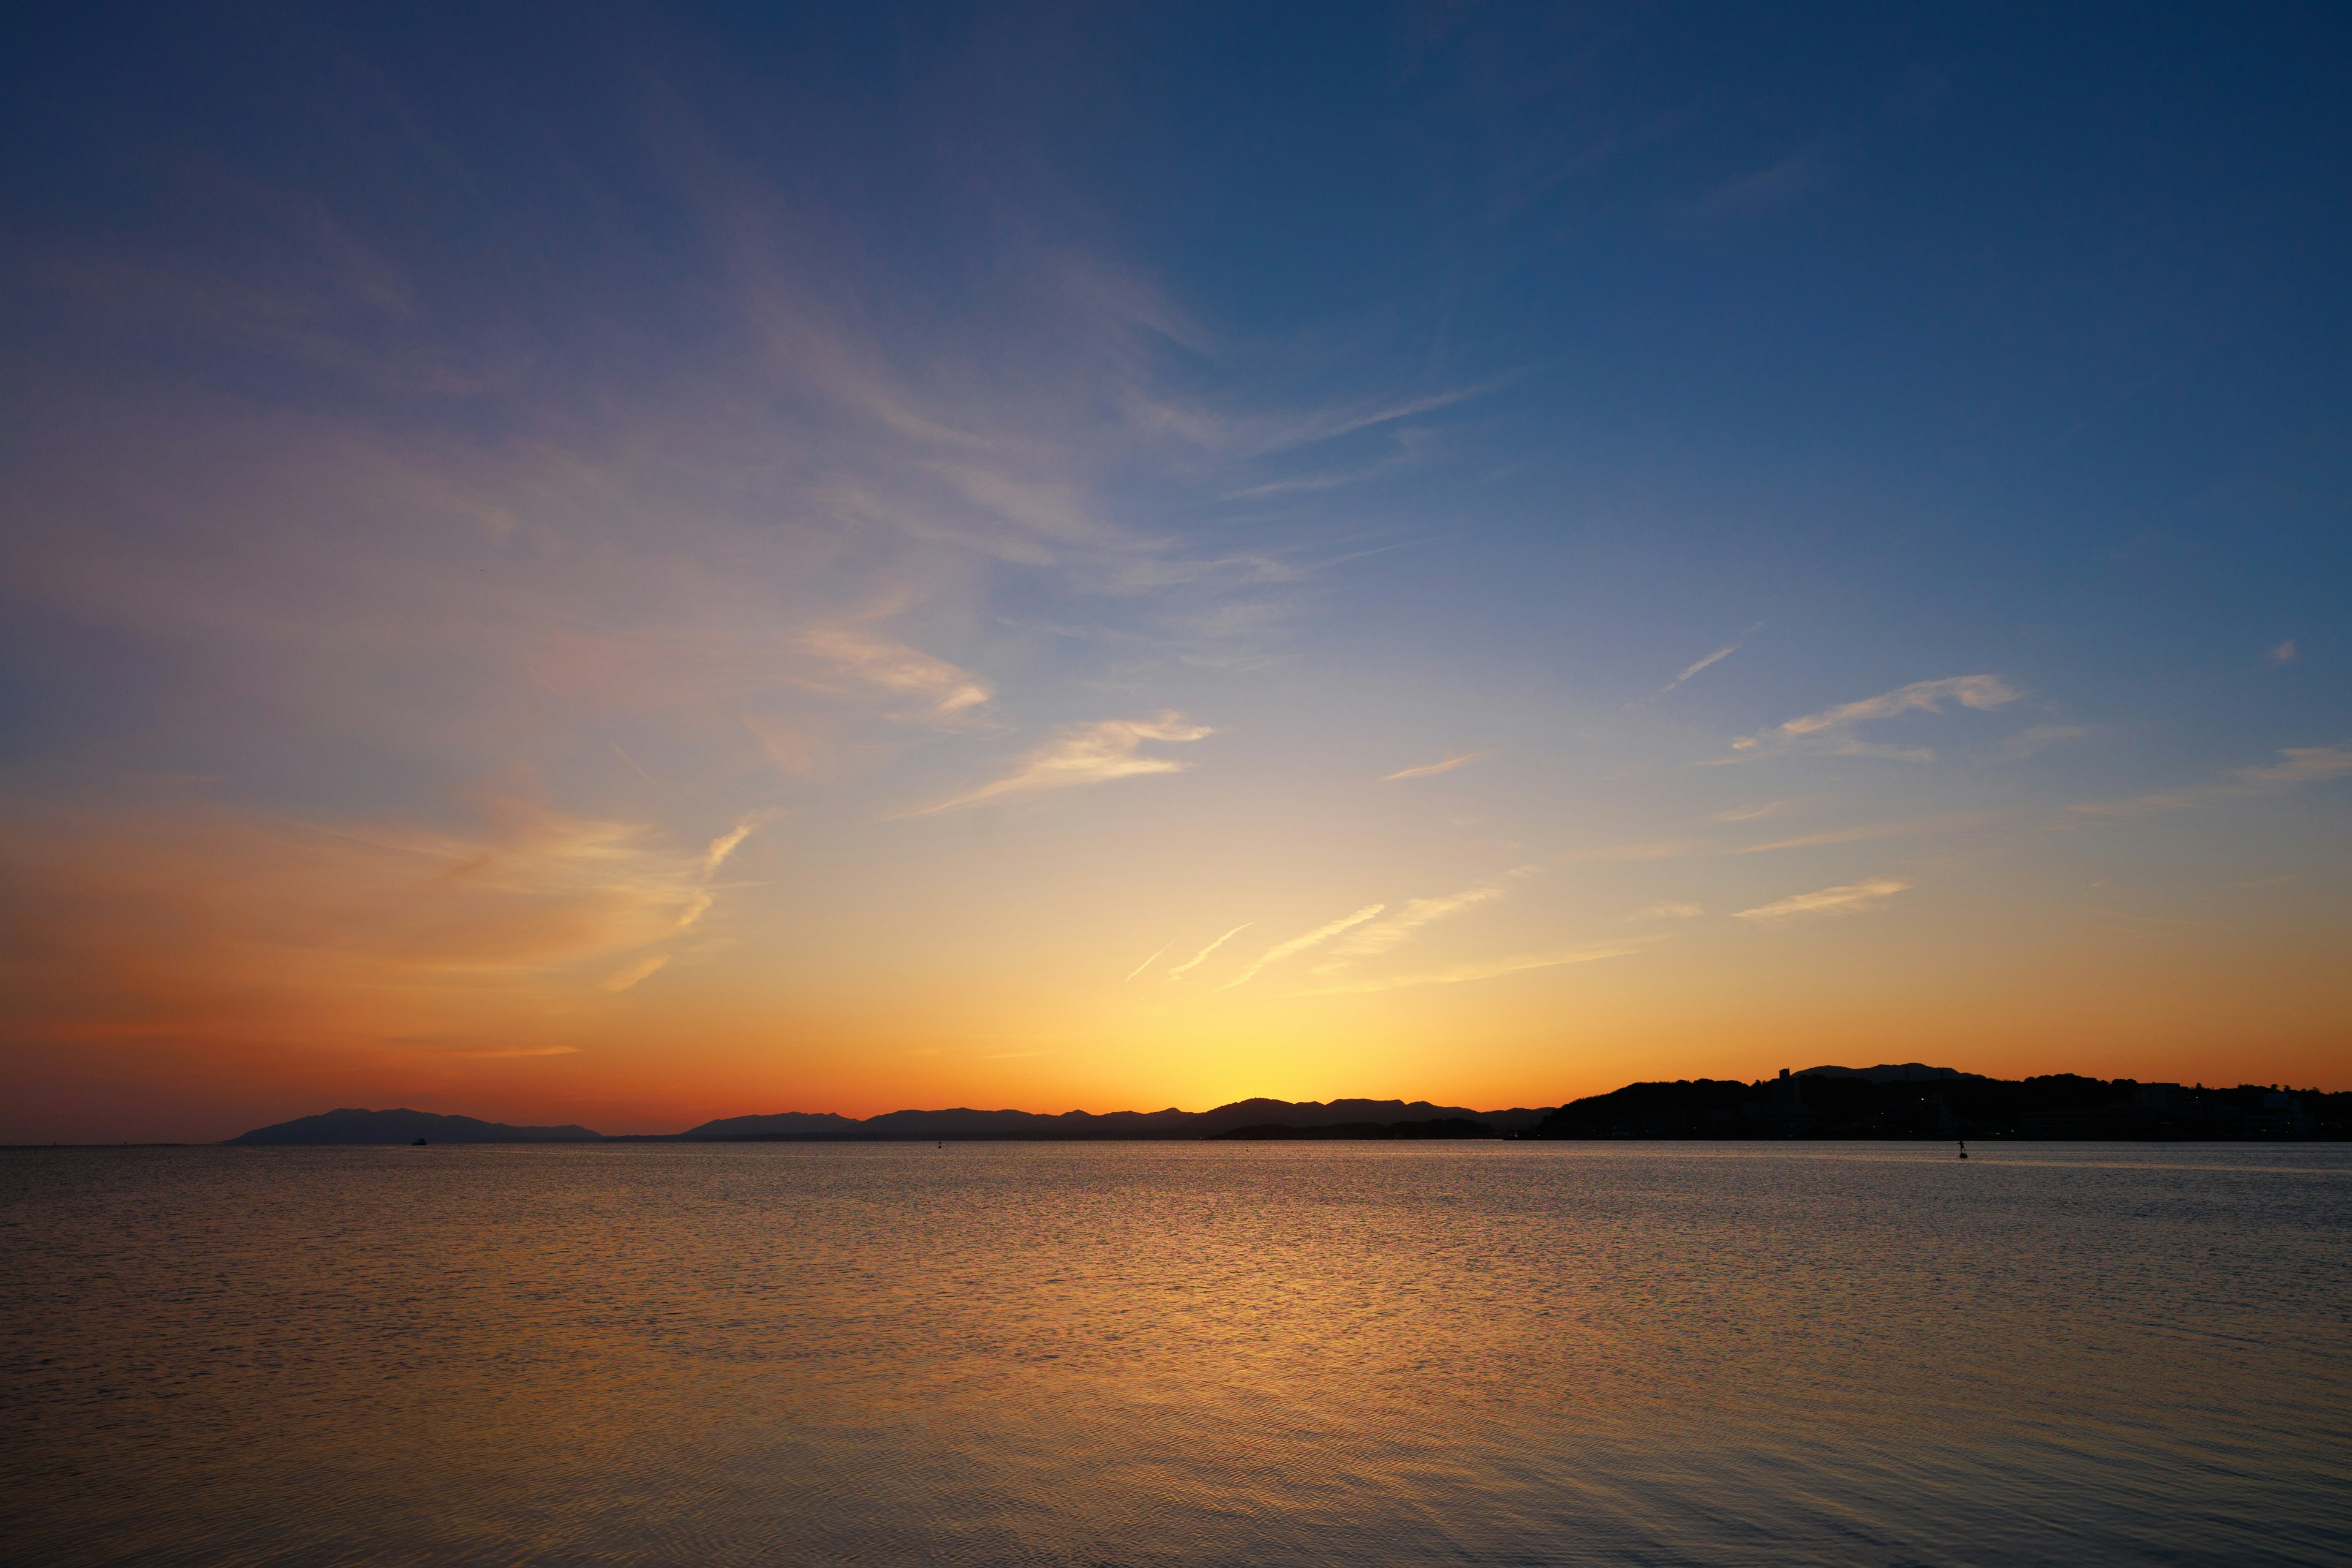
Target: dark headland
1896,1100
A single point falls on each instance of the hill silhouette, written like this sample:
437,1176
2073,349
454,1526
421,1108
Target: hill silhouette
1027,1125
1894,1099
406,1127
1911,1103
1440,1127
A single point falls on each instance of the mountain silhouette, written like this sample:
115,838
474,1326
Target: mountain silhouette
1894,1099
406,1127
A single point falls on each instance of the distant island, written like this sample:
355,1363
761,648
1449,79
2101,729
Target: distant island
1893,1100
407,1127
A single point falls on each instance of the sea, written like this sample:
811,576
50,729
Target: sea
1499,1352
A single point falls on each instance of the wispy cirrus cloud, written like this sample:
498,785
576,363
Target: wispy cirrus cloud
1770,189
1298,945
2300,765
1669,912
1282,433
1370,940
1193,962
1084,754
2304,764
1717,657
1461,973
258,931
1853,898
940,690
1444,764
1751,813
628,975
510,1054
1148,962
727,843
1832,730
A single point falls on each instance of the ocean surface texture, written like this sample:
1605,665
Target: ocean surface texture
1138,1353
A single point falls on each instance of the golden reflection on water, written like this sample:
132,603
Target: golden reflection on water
1165,1353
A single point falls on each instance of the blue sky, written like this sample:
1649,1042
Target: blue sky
1018,470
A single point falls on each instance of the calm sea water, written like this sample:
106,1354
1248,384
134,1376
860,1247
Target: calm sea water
1135,1353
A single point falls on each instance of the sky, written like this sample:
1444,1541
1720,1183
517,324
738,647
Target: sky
682,562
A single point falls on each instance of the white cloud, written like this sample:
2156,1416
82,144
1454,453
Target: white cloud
1085,754
1147,964
1445,764
1298,945
1854,897
1669,912
726,843
1832,729
1193,962
941,690
1369,940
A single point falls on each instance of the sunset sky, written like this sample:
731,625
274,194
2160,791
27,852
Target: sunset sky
837,558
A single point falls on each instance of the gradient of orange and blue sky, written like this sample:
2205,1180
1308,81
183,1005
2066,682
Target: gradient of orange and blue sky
688,560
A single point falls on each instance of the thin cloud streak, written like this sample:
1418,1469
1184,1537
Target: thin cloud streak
509,1054
1853,898
1195,962
726,843
1832,730
1444,765
1148,962
633,763
943,690
1725,651
1329,425
1298,945
1400,927
623,978
1084,754
1751,813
